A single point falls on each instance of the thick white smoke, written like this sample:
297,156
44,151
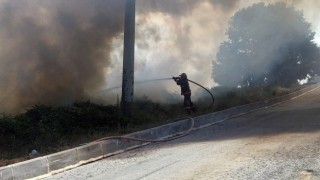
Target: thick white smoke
168,44
59,51
54,52
184,36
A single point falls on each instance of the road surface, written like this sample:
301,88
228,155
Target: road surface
281,142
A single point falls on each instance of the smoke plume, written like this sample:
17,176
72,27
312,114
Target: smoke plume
183,36
56,52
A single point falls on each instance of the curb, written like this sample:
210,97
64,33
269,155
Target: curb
54,163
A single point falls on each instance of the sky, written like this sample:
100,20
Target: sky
57,52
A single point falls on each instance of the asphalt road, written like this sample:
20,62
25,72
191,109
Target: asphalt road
281,142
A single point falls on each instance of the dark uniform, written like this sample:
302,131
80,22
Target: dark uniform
182,81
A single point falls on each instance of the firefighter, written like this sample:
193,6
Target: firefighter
182,81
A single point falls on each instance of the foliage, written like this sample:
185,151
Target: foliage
267,45
50,129
230,97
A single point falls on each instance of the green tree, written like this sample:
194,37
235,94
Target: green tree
267,44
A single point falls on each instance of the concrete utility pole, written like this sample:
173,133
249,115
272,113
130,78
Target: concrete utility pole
128,59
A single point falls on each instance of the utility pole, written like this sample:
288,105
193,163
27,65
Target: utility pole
128,59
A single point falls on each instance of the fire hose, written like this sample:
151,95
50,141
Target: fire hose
189,81
206,90
178,135
161,79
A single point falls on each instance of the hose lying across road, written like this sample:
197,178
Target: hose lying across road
178,135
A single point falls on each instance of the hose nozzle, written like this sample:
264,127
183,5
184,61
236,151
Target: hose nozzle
175,78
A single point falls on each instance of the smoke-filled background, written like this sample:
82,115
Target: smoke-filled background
57,52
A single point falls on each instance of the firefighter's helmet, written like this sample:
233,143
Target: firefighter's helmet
183,75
